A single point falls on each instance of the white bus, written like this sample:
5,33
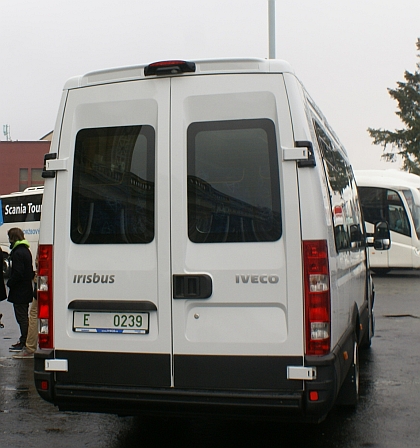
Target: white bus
21,209
392,196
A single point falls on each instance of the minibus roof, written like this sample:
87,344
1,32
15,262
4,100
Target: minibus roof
205,66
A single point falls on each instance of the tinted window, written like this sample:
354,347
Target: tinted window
233,182
113,186
345,208
414,210
381,204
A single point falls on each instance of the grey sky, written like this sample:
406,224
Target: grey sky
347,53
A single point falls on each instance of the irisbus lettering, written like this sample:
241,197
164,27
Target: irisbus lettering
93,278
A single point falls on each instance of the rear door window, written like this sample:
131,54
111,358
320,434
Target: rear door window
113,186
233,182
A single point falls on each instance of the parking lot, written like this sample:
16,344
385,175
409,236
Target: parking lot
387,414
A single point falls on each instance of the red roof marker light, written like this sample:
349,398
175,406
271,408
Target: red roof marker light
169,68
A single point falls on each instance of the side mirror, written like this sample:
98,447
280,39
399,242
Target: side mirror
356,236
381,238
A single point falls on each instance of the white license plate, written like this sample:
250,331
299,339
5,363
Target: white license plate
108,322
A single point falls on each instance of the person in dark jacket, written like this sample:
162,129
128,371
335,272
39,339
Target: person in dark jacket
3,294
20,282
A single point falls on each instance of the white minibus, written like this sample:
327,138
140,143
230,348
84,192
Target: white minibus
203,250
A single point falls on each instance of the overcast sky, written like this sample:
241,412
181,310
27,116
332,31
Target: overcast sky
346,53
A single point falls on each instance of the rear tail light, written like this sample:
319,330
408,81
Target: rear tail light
317,297
45,296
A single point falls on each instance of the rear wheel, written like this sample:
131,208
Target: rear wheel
367,338
349,393
370,331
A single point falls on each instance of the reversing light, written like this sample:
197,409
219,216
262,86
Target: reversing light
169,68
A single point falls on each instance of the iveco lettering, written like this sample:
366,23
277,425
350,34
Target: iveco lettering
257,278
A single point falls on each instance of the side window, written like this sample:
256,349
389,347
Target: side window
381,204
233,182
414,210
357,227
113,186
345,208
398,220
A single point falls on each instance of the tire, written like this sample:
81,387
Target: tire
349,392
367,337
366,342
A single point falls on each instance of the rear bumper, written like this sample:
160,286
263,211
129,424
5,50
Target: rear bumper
135,401
86,388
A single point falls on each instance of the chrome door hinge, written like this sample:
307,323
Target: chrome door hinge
303,153
52,164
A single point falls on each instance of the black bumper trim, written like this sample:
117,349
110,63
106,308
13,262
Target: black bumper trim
166,401
136,383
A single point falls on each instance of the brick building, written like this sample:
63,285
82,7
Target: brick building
21,164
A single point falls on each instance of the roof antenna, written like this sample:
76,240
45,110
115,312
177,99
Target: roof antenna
6,132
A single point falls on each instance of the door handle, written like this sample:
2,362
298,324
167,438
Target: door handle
192,286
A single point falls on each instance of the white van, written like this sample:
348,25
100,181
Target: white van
20,209
205,249
392,196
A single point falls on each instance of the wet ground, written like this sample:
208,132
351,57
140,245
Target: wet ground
387,414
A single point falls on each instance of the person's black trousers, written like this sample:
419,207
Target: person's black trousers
21,314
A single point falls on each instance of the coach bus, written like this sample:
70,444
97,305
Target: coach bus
21,209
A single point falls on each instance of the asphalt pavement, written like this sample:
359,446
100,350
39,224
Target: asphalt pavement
386,416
